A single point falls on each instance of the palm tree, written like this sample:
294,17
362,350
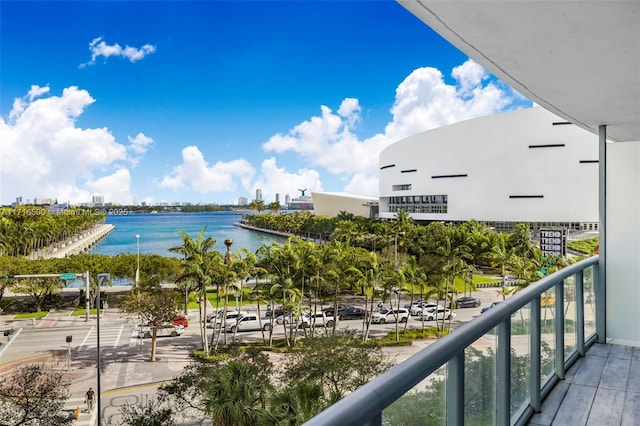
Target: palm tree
197,262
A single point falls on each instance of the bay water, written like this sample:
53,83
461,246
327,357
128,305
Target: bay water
158,232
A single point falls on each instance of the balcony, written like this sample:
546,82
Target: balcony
523,362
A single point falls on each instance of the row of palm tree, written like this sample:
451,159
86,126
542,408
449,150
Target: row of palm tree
303,275
27,229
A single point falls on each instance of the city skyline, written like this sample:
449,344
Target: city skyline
206,102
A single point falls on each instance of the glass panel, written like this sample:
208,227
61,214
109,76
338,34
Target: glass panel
548,335
589,304
520,360
422,405
480,381
570,335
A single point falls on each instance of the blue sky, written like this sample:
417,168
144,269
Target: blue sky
207,101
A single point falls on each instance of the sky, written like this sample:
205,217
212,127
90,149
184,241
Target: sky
207,101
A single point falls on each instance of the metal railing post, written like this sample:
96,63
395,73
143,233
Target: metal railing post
558,326
455,390
579,301
535,381
503,373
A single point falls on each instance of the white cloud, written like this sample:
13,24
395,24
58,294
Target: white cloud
98,48
37,91
44,154
138,145
116,186
276,180
194,173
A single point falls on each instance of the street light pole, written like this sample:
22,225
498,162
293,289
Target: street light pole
138,258
101,277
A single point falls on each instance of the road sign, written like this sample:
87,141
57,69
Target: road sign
68,276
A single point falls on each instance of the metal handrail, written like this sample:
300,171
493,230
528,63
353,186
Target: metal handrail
365,405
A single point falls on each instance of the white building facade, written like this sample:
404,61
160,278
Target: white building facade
520,166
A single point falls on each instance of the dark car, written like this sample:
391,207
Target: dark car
341,309
352,312
467,302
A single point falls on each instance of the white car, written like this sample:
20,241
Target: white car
390,316
430,314
231,314
164,330
248,322
417,310
319,319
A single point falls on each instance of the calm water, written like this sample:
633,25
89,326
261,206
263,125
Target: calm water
160,231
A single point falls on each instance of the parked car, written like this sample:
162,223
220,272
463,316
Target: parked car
247,322
417,310
467,302
352,312
431,314
341,309
412,304
285,319
163,330
390,316
319,319
486,308
181,320
231,314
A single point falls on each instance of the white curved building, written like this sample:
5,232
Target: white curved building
520,166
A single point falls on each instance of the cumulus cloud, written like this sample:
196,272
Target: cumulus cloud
138,145
277,180
99,47
44,154
423,101
196,174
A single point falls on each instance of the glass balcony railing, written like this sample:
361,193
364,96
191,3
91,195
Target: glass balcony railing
494,370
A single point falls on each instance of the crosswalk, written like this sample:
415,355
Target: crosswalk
110,337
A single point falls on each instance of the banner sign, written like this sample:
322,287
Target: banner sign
553,241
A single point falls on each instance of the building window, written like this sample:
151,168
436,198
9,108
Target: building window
419,204
403,187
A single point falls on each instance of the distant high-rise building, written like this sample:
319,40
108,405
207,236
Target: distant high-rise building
134,201
277,198
98,200
243,201
258,194
287,199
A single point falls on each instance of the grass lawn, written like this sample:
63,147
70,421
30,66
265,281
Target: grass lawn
29,315
83,311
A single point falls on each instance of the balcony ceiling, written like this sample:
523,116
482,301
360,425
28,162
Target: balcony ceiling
578,59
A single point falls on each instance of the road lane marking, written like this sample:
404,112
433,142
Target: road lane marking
82,346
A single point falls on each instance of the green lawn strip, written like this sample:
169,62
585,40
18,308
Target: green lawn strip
83,311
215,298
584,246
29,315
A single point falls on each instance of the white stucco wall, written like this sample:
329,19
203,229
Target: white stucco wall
332,203
494,152
623,242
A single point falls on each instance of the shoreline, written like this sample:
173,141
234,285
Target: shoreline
76,245
266,231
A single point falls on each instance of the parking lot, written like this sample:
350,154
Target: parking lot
486,296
